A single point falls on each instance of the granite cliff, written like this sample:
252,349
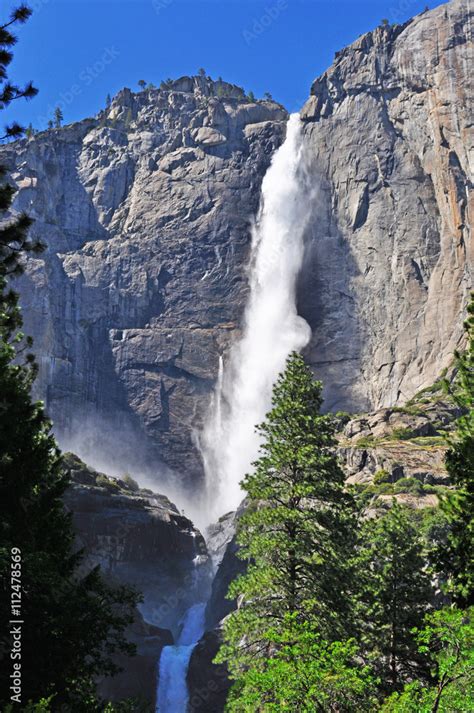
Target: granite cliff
146,211
389,133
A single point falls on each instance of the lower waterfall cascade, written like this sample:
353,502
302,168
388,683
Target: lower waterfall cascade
272,328
172,693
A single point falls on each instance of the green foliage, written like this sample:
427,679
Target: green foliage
395,594
382,476
448,641
402,434
75,620
58,117
341,418
130,482
304,674
456,555
430,441
142,84
9,91
409,409
428,395
251,97
42,706
366,442
299,530
102,481
14,240
408,485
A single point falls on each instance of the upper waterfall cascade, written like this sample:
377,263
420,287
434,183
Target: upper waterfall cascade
271,327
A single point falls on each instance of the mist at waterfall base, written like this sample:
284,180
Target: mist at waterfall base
272,328
172,693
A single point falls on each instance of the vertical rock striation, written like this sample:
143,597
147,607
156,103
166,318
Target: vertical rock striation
145,211
389,134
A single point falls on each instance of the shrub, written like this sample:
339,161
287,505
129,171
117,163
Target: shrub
103,482
365,442
341,418
130,482
408,485
402,434
382,476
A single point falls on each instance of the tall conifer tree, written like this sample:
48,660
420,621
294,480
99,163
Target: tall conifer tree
396,594
71,621
456,555
297,533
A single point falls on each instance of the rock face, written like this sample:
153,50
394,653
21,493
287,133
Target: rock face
146,211
140,539
138,678
389,136
208,683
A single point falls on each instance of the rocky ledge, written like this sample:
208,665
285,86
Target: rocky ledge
140,539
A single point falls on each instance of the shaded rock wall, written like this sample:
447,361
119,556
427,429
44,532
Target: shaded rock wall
140,539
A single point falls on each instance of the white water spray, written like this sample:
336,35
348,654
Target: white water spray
272,328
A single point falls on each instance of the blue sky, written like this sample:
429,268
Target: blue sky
78,51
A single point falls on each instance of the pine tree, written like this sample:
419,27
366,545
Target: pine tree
305,674
251,97
108,101
142,84
447,639
297,533
73,622
58,117
14,241
456,555
396,594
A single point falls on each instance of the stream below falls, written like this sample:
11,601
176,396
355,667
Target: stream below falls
172,693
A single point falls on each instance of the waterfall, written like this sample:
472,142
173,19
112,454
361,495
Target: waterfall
172,694
272,327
